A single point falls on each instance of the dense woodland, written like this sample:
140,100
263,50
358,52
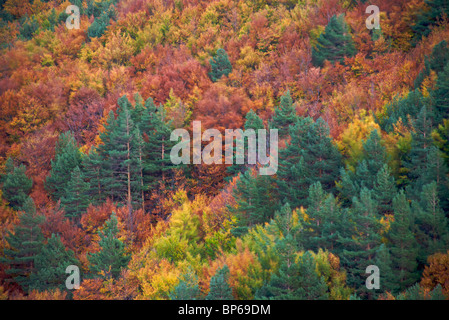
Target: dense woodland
86,178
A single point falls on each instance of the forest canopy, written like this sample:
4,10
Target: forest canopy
86,180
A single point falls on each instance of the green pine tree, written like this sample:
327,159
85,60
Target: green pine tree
93,173
294,280
52,20
420,146
67,158
348,186
387,275
375,156
284,115
376,34
254,122
156,131
321,229
437,293
437,171
99,26
187,288
121,152
16,185
283,284
310,157
405,109
429,17
361,242
256,201
220,65
28,28
76,200
424,162
416,292
441,93
433,234
25,244
384,190
311,286
296,277
284,224
138,110
441,137
219,286
438,59
403,245
366,171
335,43
9,168
111,258
50,265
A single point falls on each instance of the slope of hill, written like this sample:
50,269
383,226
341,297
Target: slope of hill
86,116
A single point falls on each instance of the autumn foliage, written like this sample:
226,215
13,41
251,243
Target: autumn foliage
85,122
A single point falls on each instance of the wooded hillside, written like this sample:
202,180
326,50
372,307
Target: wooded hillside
86,177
